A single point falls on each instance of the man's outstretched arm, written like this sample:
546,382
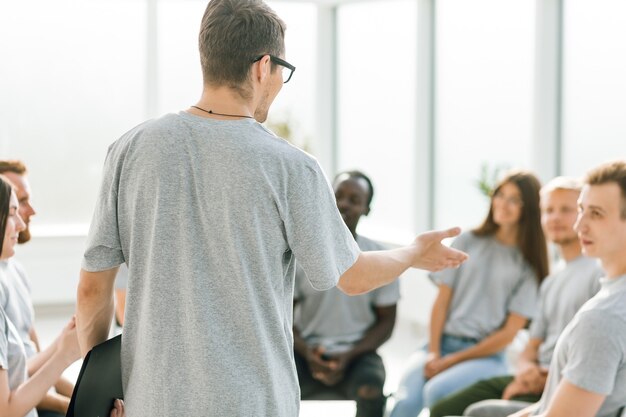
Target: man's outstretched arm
377,268
94,308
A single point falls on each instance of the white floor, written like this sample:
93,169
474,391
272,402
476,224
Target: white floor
406,338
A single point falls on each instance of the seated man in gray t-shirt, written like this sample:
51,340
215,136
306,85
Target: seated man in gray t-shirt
336,336
587,375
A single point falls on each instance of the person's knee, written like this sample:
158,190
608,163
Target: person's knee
370,401
433,392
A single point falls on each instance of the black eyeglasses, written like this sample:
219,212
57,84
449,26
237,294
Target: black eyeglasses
286,66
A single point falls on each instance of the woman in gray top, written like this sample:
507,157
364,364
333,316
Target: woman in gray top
482,304
19,394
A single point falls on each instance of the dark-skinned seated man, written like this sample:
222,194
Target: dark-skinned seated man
336,336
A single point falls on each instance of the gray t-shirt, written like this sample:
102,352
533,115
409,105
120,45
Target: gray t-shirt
560,297
495,281
210,216
17,301
333,319
591,352
12,355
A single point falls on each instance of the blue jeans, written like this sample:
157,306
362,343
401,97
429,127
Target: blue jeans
415,392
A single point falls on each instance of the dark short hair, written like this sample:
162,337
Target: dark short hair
359,174
14,166
232,34
607,173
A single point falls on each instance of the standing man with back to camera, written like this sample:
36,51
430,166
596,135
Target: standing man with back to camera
210,210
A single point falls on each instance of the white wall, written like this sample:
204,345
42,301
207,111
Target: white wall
418,296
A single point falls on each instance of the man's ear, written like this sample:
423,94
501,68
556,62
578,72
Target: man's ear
262,68
367,211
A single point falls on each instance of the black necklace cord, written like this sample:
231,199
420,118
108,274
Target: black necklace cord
221,114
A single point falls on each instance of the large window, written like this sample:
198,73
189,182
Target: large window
377,105
179,72
484,85
74,77
71,82
594,102
295,104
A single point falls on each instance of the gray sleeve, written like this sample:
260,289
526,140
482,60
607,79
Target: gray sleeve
316,233
103,250
595,352
388,295
524,298
539,325
448,276
4,343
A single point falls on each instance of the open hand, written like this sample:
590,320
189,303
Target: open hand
432,255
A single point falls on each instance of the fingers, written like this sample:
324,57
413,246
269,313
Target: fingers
455,255
453,259
118,409
71,324
432,255
452,232
319,350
